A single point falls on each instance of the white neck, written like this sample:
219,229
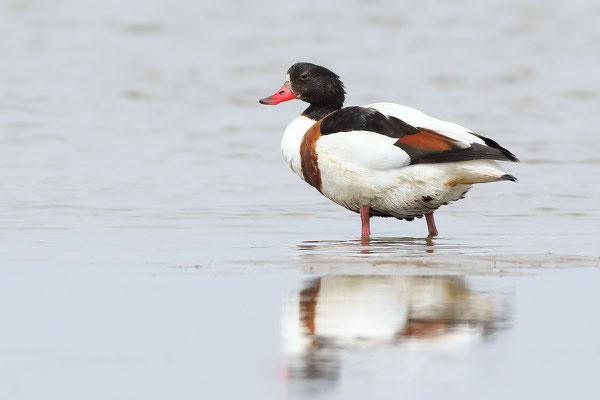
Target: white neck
292,138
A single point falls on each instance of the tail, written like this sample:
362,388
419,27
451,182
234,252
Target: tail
478,171
509,177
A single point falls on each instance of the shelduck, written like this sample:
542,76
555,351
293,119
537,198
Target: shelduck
382,159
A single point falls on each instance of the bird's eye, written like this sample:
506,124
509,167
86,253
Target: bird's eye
304,76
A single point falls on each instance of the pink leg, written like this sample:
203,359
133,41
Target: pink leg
365,215
431,225
364,241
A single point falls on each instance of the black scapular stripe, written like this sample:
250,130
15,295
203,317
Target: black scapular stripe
356,118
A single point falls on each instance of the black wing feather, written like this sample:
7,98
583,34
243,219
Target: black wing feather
475,151
493,144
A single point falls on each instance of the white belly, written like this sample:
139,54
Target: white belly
405,192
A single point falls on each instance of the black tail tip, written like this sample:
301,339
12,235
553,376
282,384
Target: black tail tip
509,177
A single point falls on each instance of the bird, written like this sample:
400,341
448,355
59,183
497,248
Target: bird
381,159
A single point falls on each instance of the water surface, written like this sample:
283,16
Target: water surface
154,243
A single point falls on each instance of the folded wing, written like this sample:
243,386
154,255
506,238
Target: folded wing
421,138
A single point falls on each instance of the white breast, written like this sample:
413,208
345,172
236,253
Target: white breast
290,143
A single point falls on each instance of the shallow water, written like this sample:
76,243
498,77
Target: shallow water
155,244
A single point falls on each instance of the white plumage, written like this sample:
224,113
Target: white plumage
382,159
365,168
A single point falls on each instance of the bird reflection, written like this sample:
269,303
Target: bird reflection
334,313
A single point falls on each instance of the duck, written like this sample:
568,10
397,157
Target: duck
381,159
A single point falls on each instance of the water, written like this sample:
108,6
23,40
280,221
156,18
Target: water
154,242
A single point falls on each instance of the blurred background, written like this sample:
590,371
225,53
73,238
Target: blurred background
153,240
